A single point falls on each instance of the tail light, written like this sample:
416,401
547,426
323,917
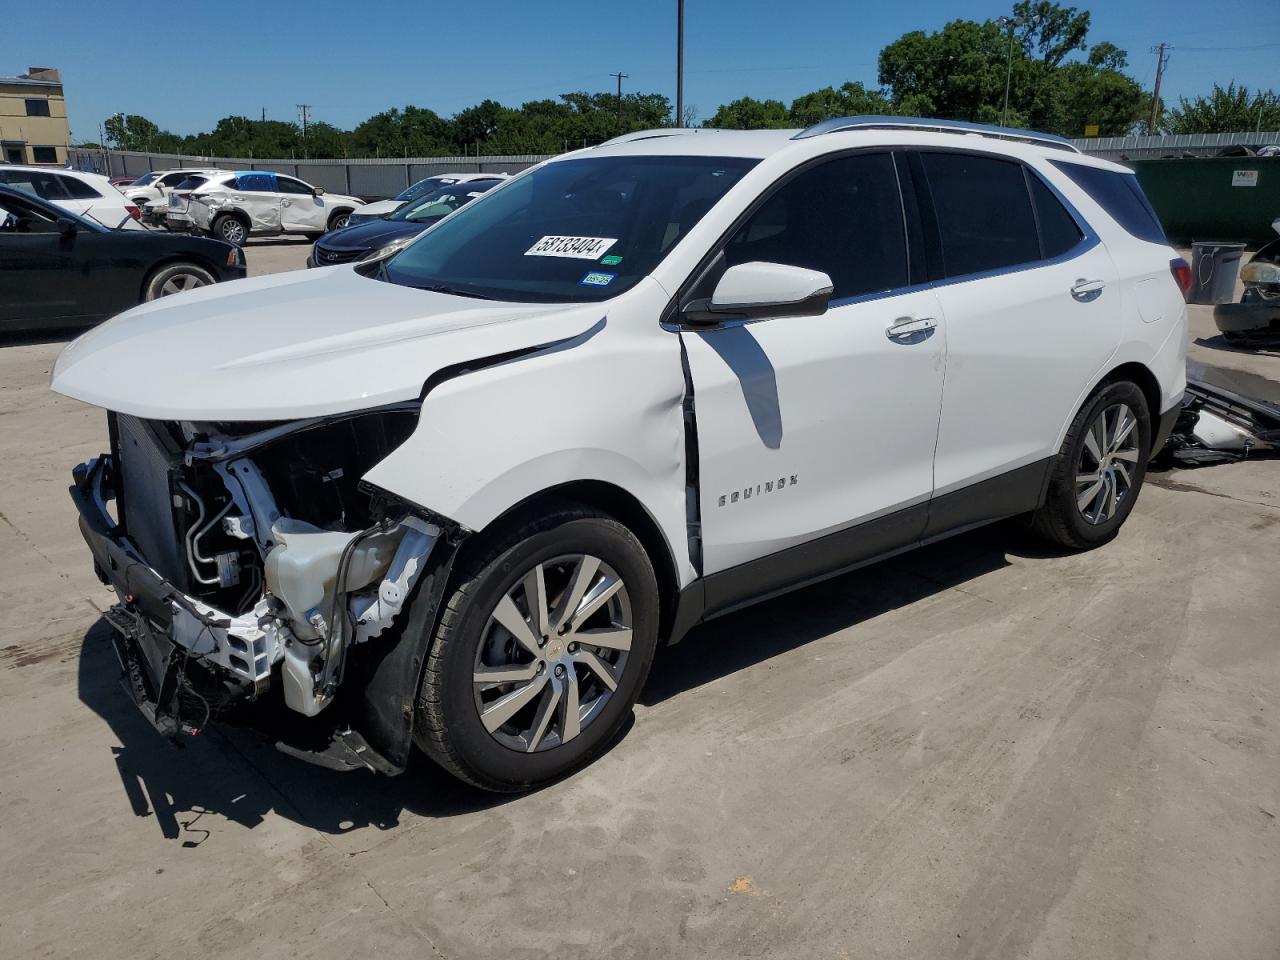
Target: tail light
133,211
1181,271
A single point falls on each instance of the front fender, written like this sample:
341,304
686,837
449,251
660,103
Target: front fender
605,407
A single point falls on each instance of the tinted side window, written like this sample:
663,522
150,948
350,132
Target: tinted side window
289,185
36,183
256,182
843,217
78,189
172,180
1119,195
983,212
1059,231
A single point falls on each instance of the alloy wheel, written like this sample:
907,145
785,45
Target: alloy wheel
179,282
552,653
339,223
1108,461
233,231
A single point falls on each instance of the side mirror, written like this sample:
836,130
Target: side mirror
66,227
752,291
317,191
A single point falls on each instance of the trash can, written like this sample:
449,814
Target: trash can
1214,268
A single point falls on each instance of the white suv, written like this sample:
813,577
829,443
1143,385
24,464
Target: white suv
237,205
89,195
459,496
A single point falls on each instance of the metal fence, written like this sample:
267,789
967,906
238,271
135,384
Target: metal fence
1153,148
368,179
377,179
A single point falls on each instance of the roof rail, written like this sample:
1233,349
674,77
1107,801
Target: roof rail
649,135
872,122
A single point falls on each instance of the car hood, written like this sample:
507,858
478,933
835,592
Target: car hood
380,208
371,235
298,344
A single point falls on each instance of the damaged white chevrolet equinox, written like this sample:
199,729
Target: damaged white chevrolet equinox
459,495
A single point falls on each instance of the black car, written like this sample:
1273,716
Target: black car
390,233
58,269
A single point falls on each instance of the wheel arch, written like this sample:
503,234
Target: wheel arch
339,211
623,506
1133,370
170,260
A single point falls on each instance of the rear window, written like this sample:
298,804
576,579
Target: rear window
984,215
1119,195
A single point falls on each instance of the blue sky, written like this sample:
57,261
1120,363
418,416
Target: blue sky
350,60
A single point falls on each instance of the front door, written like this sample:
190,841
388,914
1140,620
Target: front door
816,434
41,283
301,211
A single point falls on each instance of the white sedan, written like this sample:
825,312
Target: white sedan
235,206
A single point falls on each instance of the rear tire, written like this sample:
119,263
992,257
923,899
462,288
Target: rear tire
576,668
230,228
1096,477
175,278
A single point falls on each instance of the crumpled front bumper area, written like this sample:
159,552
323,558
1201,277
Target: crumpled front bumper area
183,660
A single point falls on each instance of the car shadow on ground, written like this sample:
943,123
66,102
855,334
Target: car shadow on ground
237,775
33,338
1220,342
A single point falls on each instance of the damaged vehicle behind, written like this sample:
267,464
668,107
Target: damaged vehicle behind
456,496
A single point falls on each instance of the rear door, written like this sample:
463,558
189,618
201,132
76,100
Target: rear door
258,195
816,434
1032,314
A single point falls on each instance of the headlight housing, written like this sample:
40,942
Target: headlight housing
1260,272
394,247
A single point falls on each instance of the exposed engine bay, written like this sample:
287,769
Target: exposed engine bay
276,561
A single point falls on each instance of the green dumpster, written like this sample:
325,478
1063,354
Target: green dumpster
1213,198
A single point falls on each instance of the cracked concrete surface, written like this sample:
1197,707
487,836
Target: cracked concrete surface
979,750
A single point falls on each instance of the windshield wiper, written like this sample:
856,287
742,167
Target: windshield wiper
452,291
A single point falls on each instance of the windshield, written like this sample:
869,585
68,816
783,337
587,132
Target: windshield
439,203
423,187
572,230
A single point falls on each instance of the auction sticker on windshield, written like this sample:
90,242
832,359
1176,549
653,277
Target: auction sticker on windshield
578,248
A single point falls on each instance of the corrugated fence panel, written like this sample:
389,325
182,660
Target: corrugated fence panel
377,181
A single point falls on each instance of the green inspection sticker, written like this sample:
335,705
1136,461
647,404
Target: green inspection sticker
612,260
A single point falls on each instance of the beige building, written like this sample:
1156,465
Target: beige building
33,118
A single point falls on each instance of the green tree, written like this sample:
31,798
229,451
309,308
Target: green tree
959,72
851,99
1228,109
748,113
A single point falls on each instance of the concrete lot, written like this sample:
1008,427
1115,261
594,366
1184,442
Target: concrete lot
979,750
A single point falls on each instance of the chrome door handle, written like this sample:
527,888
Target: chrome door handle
1087,290
905,328
285,203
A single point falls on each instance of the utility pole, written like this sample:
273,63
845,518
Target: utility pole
621,76
264,114
679,63
1010,22
1161,61
304,109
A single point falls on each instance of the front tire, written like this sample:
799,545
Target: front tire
540,651
175,278
339,219
1097,475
